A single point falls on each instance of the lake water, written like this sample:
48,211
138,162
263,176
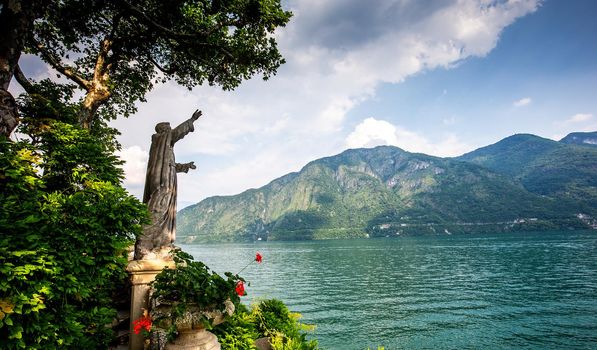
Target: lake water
523,291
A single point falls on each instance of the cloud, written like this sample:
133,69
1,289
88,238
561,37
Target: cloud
522,102
579,118
579,122
251,169
372,132
135,167
338,53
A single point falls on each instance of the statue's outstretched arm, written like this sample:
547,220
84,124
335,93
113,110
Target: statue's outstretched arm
185,127
184,167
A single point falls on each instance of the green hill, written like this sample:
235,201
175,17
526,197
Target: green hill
559,170
382,191
513,154
581,138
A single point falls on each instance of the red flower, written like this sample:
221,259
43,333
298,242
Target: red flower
258,257
240,288
142,323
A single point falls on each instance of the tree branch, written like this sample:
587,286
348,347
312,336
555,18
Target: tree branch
225,52
69,72
164,70
22,80
139,14
99,90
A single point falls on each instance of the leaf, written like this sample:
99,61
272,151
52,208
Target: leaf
6,306
16,335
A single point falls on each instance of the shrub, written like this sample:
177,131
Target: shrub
65,226
191,286
268,318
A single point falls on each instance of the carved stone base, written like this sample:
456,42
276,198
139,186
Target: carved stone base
192,334
142,253
194,339
263,344
142,272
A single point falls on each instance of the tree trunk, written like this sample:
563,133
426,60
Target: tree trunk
93,100
99,92
16,20
13,25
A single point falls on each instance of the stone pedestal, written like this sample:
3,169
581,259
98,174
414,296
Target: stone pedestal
194,339
263,344
192,334
142,273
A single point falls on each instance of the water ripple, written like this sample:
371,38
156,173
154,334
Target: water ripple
528,291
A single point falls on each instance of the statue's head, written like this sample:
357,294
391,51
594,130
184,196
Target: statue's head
162,127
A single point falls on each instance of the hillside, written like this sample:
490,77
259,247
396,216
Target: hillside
545,167
379,192
581,138
511,155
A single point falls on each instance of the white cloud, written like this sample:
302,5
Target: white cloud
580,122
135,167
338,52
252,169
442,39
579,118
372,132
522,102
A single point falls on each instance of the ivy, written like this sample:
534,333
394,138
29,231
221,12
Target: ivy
65,226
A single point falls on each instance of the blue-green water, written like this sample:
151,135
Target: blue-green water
533,290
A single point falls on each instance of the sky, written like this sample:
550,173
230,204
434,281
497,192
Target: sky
441,77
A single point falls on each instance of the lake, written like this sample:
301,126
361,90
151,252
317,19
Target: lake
524,290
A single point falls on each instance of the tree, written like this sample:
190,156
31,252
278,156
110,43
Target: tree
16,22
65,220
65,223
116,50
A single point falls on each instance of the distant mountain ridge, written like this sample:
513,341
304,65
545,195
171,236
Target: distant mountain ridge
545,167
581,138
523,182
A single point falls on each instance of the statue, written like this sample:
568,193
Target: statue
160,190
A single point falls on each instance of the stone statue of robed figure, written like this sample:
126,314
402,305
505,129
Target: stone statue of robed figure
160,190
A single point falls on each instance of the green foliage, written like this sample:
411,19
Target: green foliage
239,332
127,46
270,319
561,170
66,225
65,220
192,284
274,317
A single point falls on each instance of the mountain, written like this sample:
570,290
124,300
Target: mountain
581,138
386,191
511,155
545,167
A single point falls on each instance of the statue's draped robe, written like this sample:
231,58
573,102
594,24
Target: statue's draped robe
160,191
